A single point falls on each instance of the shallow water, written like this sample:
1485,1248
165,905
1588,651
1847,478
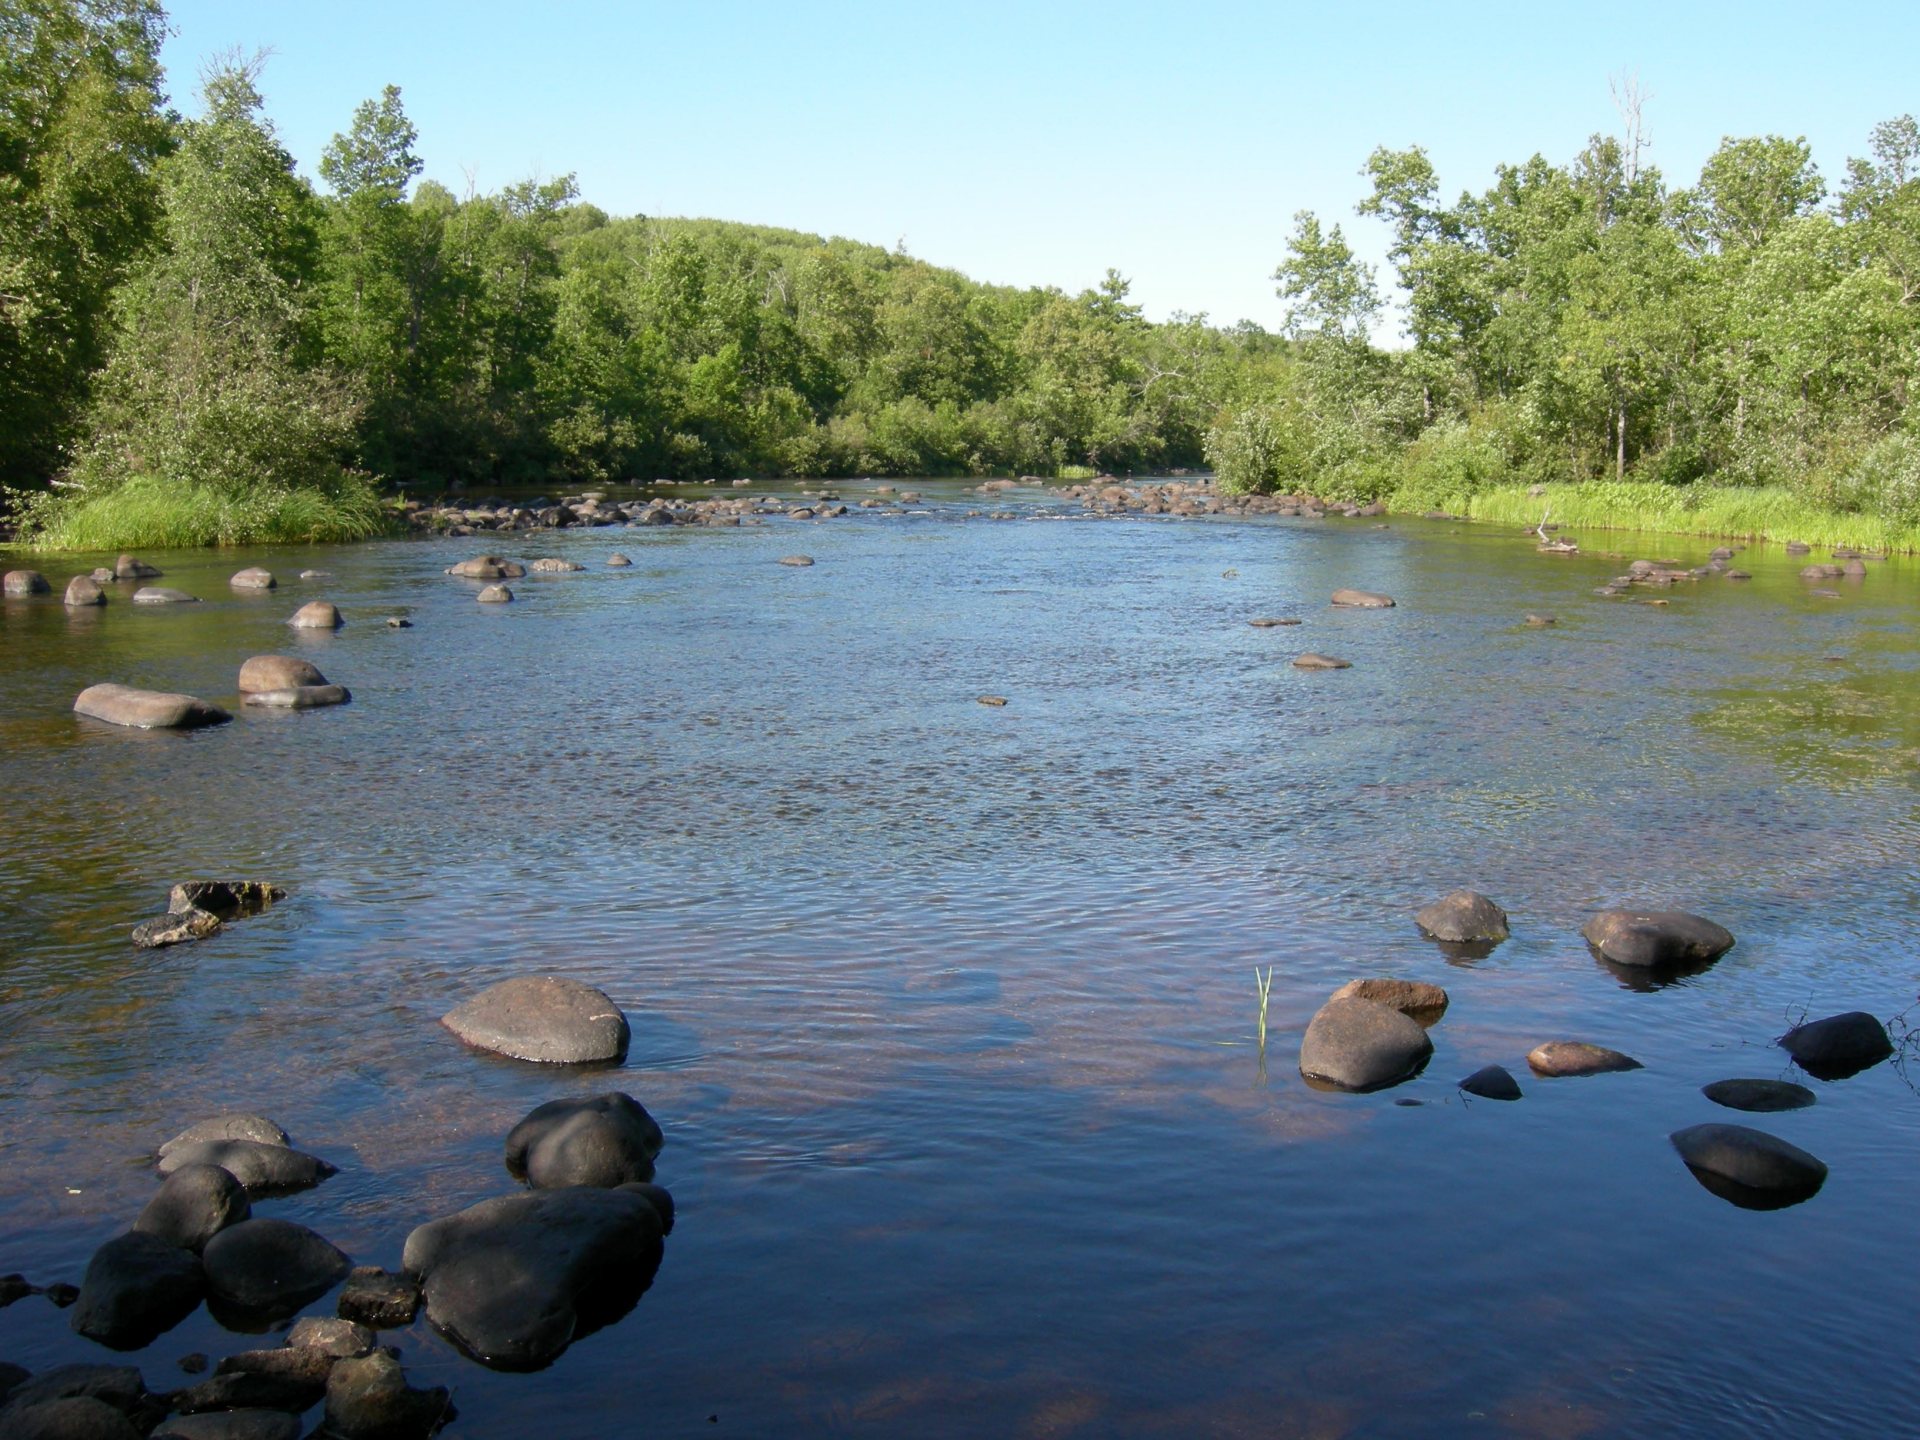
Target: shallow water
947,1010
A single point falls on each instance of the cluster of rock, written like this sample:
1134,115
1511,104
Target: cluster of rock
199,908
1663,574
590,512
1108,496
283,682
1371,1034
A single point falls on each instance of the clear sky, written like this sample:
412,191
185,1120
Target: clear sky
1040,143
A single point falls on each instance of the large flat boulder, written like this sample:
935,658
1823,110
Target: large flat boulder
147,709
547,1018
1362,600
1656,938
1758,1096
1754,1169
1360,1045
602,1140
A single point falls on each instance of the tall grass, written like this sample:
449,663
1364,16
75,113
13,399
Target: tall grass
150,514
1737,513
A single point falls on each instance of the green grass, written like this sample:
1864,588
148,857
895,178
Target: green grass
151,514
1075,472
1736,513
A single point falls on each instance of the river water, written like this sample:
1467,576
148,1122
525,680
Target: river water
948,1010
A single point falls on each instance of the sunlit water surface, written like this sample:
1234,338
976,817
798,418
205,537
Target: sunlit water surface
948,1010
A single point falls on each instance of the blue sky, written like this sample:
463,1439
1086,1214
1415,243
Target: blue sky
1038,144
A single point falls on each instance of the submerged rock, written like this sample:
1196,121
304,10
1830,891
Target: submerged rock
1415,998
547,565
378,1299
1362,600
129,568
1462,917
1753,1169
263,1169
235,1125
78,1418
369,1399
1268,622
163,595
246,1424
495,595
137,1287
193,1204
1656,938
176,927
1760,1096
1577,1057
254,577
797,560
1313,660
601,1140
617,561
278,672
513,1280
1361,1045
20,584
1492,1082
487,567
299,697
548,1018
1540,622
1838,1046
230,900
147,709
83,590
317,615
271,1268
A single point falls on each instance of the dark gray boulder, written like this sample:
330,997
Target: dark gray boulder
1577,1057
176,927
1753,1169
602,1140
119,1386
235,1125
193,1204
291,1388
1758,1096
1656,938
137,1287
271,1268
1361,1045
378,1299
147,709
78,1418
369,1399
263,1169
1838,1046
515,1279
231,1425
1464,916
547,1018
229,899
1492,1082
278,672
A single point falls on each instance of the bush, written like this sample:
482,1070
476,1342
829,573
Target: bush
1883,482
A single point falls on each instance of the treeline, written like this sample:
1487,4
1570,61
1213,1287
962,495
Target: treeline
1590,323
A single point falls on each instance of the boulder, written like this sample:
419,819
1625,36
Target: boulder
495,595
1360,1045
542,1017
128,568
601,1140
299,697
1656,938
271,1268
176,927
378,1299
118,1386
1269,622
618,561
235,1125
486,567
1463,917
137,1287
1577,1057
232,1425
1313,660
1415,998
796,560
287,1390
1362,600
1838,1046
278,672
513,1280
1492,1082
230,900
1754,1169
78,1418
146,709
369,1399
83,590
342,1339
317,615
263,1169
193,1204
548,565
163,595
254,577
1759,1096
19,584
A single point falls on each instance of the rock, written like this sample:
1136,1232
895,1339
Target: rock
551,566
300,697
80,1418
278,672
1492,1082
617,561
137,1287
1756,1170
399,622
303,1364
1414,998
236,1125
316,574
487,567
101,575
194,1362
342,1339
254,577
230,900
1758,1095
19,584
263,1169
83,590
1362,600
796,560
1313,660
231,1425
289,1391
315,615
1463,916
1268,622
176,927
995,701
1838,1046
163,595
271,1268
60,1294
10,1378
1540,622
1360,1045
495,595
601,1140
513,1280
118,1386
542,1017
1656,937
369,1399
1576,1057
378,1299
128,568
193,1204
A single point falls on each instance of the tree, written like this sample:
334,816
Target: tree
1328,292
1750,188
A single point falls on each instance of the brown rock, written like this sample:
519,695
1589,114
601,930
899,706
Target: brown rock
1576,1057
278,672
1425,1003
316,615
1313,660
19,584
1463,916
147,709
84,590
1362,600
254,577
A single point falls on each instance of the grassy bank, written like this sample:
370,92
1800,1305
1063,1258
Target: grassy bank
1751,513
150,514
